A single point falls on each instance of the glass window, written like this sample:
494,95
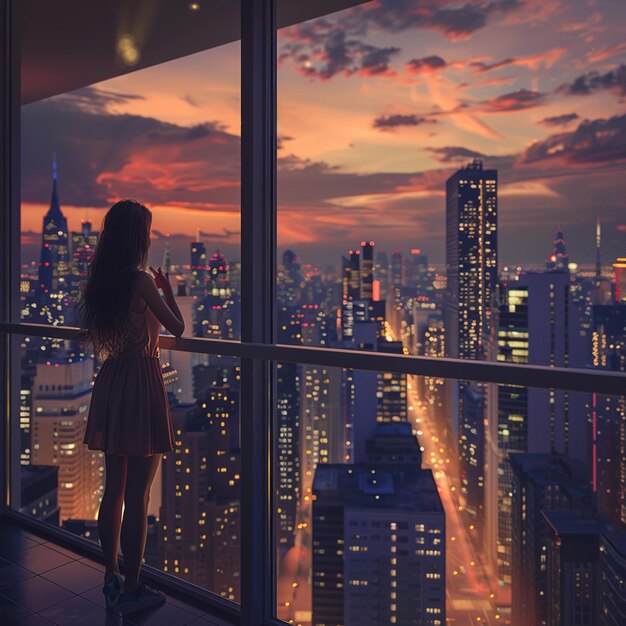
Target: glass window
160,129
194,511
444,183
433,176
378,519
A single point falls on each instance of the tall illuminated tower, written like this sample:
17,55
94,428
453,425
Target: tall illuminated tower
367,270
84,244
198,268
471,257
472,274
54,265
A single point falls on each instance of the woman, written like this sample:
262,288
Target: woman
129,418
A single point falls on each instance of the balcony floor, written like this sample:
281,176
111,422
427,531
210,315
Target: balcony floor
42,583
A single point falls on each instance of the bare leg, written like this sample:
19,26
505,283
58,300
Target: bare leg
110,513
141,472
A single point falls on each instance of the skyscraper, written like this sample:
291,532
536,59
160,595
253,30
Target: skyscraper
472,274
573,567
200,515
288,376
608,414
367,270
512,412
471,258
541,483
60,400
84,244
54,265
198,268
379,537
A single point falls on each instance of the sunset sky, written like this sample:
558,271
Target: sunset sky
377,106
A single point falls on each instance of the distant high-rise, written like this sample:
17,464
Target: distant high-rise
289,279
381,271
218,279
397,269
167,257
472,275
512,412
471,258
54,264
84,245
541,482
392,404
352,275
608,414
558,420
367,270
288,378
558,260
198,269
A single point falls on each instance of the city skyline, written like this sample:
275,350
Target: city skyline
393,435
373,115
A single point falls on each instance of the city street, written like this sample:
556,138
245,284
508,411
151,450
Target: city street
470,594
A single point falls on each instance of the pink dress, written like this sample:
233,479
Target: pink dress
129,411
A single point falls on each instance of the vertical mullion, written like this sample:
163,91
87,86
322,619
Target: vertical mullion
258,249
9,230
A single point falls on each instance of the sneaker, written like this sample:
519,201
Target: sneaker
144,598
113,585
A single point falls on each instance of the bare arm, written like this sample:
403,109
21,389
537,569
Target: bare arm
166,311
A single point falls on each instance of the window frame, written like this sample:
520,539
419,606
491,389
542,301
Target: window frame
258,349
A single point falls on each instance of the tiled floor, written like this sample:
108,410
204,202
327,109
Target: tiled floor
42,583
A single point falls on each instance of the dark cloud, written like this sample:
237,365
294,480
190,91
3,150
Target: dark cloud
200,131
103,155
560,120
332,52
387,122
453,21
594,142
480,66
594,81
376,60
454,153
425,65
326,47
514,101
92,100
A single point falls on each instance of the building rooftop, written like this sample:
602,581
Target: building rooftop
574,522
374,486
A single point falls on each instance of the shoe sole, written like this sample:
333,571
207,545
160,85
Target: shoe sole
149,603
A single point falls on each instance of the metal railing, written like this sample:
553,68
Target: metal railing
540,376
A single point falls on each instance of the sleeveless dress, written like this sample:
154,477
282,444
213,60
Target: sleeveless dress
129,411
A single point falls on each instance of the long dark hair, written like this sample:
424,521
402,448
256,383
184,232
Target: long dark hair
121,253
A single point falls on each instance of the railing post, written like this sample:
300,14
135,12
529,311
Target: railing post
258,251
